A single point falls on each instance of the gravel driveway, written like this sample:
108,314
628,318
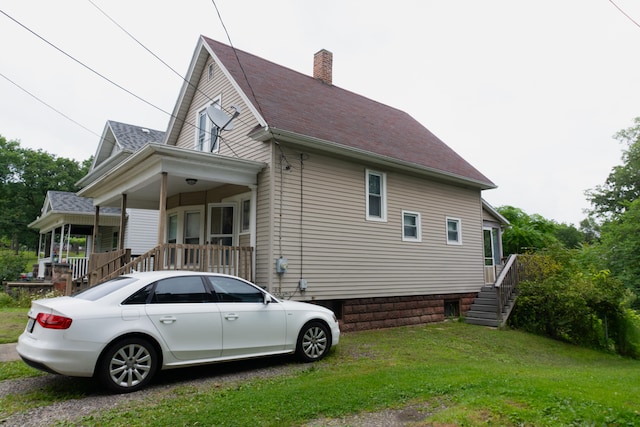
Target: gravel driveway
97,399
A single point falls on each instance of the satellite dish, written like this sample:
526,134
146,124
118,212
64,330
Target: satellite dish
221,119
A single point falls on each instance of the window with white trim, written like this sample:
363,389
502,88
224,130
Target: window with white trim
411,230
376,183
207,133
454,231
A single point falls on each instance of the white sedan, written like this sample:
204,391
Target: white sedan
124,330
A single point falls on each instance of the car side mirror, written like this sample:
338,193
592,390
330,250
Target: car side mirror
267,299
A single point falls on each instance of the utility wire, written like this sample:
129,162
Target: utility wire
106,78
168,66
624,13
83,64
142,45
49,106
235,52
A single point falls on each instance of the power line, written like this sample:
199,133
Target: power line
158,58
624,13
238,59
83,64
51,107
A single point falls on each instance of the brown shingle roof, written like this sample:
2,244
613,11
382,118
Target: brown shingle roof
294,102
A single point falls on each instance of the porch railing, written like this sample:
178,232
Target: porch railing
233,260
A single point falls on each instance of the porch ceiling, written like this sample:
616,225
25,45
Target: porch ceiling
139,176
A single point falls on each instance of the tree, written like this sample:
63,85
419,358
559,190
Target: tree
623,183
569,236
25,177
527,233
620,244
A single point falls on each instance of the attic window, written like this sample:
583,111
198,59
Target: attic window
210,71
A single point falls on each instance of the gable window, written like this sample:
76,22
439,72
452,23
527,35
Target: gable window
210,70
207,134
454,231
411,227
376,196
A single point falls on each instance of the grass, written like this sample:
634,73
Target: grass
12,323
452,374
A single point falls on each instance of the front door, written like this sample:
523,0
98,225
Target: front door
489,258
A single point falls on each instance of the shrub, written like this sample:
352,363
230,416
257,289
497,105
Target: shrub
11,265
569,299
6,300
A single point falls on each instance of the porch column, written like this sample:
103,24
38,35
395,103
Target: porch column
96,223
123,217
162,208
252,226
53,246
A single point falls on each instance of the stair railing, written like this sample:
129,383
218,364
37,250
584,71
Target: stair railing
506,286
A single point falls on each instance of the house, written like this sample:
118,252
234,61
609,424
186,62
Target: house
66,214
339,199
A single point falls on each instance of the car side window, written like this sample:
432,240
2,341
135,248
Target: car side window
233,290
185,289
140,297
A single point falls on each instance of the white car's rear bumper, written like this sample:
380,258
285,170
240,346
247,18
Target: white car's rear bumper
77,362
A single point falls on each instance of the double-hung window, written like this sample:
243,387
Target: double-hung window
454,231
376,196
207,134
411,227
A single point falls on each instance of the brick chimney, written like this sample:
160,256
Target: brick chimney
323,66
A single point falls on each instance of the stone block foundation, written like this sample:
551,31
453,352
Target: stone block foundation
389,312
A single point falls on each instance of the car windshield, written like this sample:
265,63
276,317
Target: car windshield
98,291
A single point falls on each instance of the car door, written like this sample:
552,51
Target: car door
250,327
185,314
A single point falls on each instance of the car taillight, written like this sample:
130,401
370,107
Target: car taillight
52,321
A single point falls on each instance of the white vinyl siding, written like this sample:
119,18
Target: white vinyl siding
141,230
236,142
342,255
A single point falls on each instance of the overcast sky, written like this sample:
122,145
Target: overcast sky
530,92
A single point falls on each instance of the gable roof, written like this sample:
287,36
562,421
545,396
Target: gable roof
124,137
66,202
301,105
118,141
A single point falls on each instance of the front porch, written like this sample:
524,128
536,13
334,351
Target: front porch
232,260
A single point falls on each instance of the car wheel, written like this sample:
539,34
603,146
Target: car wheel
128,365
314,342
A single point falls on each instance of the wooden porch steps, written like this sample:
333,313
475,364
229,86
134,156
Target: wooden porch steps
484,310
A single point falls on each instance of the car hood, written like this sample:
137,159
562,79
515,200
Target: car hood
304,306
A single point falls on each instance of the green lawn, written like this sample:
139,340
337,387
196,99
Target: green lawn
12,323
455,374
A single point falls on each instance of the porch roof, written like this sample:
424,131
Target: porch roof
63,207
140,175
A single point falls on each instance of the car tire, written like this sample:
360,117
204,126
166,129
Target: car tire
128,365
314,342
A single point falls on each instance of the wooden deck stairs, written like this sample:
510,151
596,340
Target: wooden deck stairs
495,302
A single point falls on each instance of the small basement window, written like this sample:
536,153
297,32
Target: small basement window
452,308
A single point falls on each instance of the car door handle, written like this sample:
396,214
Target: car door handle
168,319
231,316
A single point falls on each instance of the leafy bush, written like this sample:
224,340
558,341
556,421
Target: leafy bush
11,265
566,297
6,300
